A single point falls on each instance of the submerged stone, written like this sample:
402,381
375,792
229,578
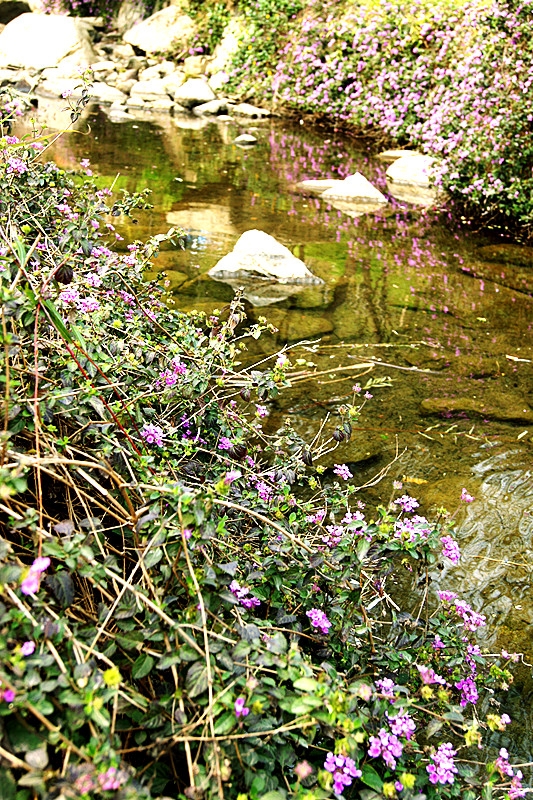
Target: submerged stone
408,179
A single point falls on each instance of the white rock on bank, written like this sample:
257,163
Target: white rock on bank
37,41
408,179
164,30
258,253
393,155
153,89
315,186
356,189
247,110
194,92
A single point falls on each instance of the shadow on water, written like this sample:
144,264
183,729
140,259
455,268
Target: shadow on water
446,315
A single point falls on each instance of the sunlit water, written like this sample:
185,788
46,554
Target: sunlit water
451,321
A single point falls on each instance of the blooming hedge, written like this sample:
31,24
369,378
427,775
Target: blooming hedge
452,79
190,606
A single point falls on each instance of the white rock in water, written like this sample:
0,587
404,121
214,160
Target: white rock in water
36,41
394,155
355,188
408,179
245,139
317,186
164,30
256,252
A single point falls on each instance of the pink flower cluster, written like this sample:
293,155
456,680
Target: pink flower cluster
443,768
242,593
343,769
152,434
241,709
30,584
387,745
319,620
450,549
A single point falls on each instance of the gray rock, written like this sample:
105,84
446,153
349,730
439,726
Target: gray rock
408,179
101,69
227,47
103,93
165,30
247,110
36,41
54,87
174,82
354,188
256,252
9,75
123,51
193,93
218,81
150,90
157,71
194,66
212,108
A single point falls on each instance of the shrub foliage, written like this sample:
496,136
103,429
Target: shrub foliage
188,605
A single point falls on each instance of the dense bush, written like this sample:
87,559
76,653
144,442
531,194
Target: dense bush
187,604
453,79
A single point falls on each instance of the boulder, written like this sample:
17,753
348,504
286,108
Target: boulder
227,47
245,140
212,108
174,82
150,90
408,179
356,189
218,81
256,252
165,30
194,66
103,93
36,41
247,110
193,93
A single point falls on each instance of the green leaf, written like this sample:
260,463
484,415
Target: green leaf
371,778
168,661
306,684
274,795
153,557
62,587
8,787
225,723
22,738
196,679
142,666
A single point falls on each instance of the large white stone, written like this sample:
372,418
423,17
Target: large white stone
36,41
258,253
355,188
165,30
149,90
316,186
194,92
408,179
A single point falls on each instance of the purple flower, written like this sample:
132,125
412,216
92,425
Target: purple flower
334,535
386,687
261,411
27,648
443,768
224,443
152,434
402,724
343,769
386,745
231,475
407,503
447,597
30,584
17,165
240,709
469,693
8,696
450,549
303,770
471,618
343,472
242,593
465,497
87,305
438,644
429,676
319,620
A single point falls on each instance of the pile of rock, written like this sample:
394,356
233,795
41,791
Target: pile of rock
44,54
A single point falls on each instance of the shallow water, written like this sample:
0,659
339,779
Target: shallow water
447,315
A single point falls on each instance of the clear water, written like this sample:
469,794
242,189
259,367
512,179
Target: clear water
446,314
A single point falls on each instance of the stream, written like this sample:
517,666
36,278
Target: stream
440,319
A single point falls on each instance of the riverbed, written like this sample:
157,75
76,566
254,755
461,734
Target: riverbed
434,321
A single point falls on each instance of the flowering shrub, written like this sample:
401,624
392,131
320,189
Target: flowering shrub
189,605
450,78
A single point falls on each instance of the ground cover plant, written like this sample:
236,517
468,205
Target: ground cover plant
450,78
191,607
